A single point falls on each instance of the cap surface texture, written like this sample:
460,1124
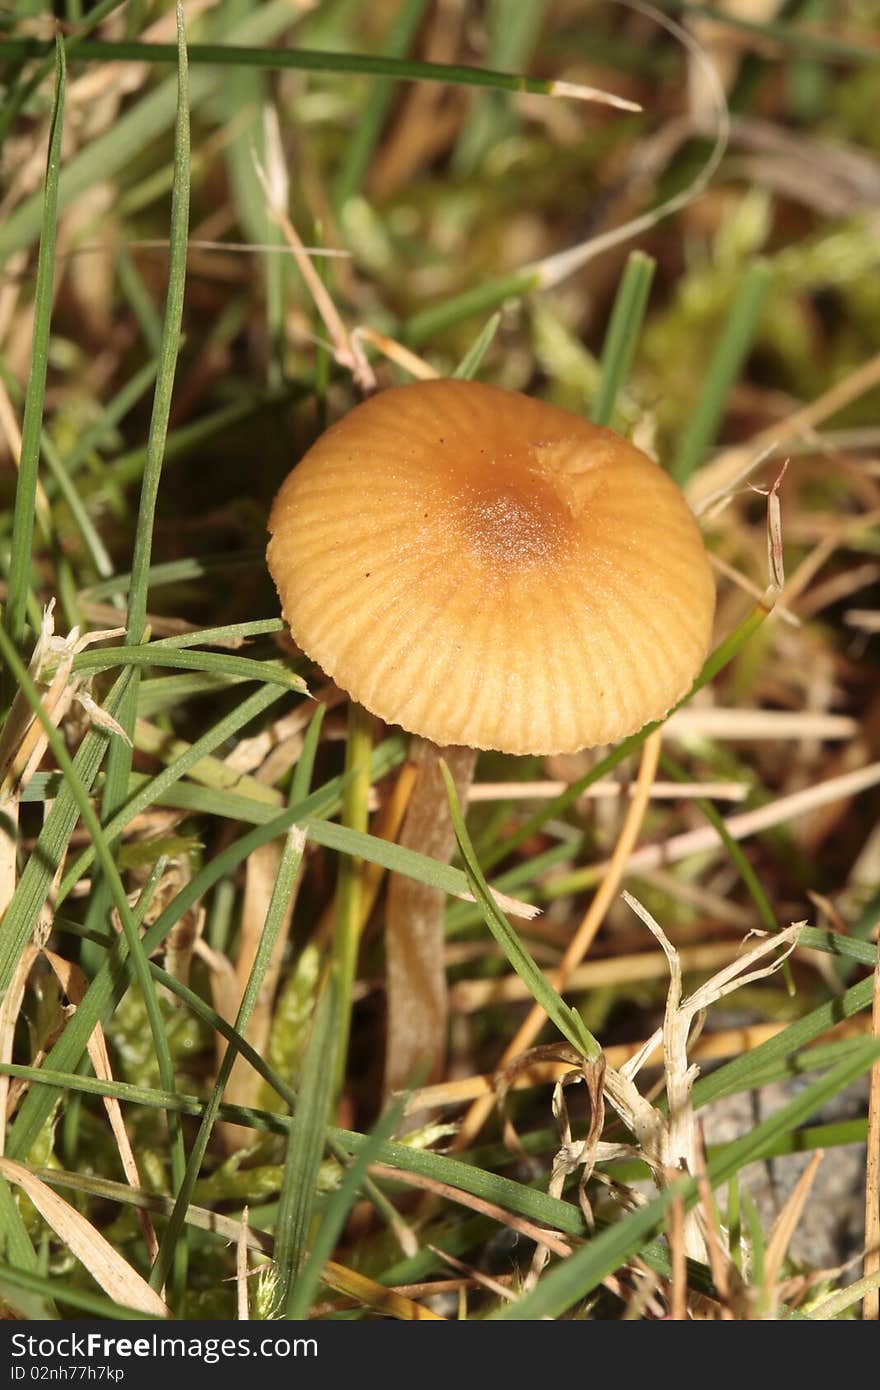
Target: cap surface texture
488,570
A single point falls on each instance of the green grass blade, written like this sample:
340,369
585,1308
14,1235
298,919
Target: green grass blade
861,933
16,1247
149,1096
26,489
765,1136
137,296
623,334
219,663
281,59
560,1014
458,1240
483,299
176,572
335,1213
514,1196
723,370
67,1294
348,917
229,632
390,856
305,1149
161,694
472,361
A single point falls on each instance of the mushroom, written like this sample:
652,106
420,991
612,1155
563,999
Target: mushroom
489,572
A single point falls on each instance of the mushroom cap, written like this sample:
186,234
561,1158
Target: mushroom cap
488,570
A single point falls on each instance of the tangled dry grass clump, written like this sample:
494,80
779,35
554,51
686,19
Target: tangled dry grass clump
203,263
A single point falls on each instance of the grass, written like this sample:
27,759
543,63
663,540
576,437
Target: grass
210,857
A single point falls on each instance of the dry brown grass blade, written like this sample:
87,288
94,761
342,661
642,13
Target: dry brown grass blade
838,587
9,1010
241,1270
224,988
109,1270
677,1258
469,996
11,431
356,1285
23,739
335,1276
730,1042
729,979
679,1074
747,823
710,721
534,1063
718,1262
573,1155
585,934
395,352
346,349
252,755
644,1297
822,552
787,1221
538,1234
475,1277
660,791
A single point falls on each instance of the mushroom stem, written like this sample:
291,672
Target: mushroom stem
416,976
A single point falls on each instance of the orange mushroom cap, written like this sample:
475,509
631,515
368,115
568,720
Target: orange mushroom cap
488,570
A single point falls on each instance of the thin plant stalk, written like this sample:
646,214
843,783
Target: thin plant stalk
623,334
349,918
